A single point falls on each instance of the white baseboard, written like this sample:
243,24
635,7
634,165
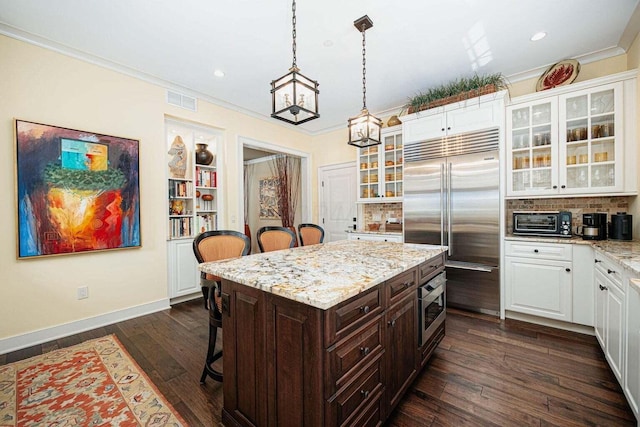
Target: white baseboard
40,336
573,327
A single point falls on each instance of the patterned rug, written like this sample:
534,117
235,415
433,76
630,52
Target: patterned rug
95,383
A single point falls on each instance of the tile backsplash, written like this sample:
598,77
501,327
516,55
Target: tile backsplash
577,206
379,212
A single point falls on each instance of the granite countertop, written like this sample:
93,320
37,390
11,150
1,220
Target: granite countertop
625,252
326,274
399,233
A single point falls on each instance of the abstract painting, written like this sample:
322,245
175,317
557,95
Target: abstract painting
77,191
269,198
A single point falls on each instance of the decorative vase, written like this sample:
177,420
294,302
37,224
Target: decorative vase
393,121
203,156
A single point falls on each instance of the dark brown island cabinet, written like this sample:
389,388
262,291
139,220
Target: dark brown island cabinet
290,364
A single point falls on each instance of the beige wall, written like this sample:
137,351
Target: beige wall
47,87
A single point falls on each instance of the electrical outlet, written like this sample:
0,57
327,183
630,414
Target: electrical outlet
83,292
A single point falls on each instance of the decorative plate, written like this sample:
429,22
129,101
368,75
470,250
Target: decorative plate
559,74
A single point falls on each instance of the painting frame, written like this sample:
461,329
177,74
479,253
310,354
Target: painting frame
75,191
269,198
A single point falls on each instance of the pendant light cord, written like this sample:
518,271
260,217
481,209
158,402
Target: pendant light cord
293,22
364,70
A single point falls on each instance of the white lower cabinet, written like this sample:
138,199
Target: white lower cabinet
610,312
183,268
632,383
376,237
538,281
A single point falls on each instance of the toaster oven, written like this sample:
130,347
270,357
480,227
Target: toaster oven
547,223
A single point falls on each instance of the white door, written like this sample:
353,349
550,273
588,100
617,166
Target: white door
337,200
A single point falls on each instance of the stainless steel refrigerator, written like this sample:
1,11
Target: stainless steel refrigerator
451,198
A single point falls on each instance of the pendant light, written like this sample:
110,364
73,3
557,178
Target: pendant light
364,129
294,97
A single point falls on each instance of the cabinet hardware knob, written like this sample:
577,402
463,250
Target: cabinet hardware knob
555,186
610,271
449,128
603,288
385,240
407,284
567,270
442,129
364,394
364,309
563,186
597,260
364,350
536,251
392,323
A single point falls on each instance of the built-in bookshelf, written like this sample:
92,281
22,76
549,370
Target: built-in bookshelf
193,200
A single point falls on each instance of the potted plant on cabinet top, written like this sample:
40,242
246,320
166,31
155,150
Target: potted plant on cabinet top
455,91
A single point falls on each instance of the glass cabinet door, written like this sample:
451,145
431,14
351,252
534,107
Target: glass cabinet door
393,165
590,125
380,169
532,140
368,175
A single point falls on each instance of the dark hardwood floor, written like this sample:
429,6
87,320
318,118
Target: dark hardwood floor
486,372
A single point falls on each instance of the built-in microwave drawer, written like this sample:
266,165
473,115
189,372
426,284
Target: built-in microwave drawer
557,251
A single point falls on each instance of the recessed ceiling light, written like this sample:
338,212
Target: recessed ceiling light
538,36
218,73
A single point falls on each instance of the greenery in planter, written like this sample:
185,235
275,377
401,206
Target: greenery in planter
457,90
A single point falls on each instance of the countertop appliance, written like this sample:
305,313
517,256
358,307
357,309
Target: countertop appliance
542,223
452,198
594,226
620,227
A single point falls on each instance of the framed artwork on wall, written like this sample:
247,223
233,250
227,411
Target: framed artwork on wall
76,191
269,198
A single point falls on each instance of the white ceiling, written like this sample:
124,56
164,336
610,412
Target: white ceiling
413,45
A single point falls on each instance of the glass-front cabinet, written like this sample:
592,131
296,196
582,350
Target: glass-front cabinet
569,144
380,169
533,140
591,130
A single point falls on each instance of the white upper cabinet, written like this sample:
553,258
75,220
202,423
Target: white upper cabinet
576,142
473,114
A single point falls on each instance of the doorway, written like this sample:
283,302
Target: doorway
337,200
255,159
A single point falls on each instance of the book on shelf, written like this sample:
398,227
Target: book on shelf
180,227
180,189
206,222
206,178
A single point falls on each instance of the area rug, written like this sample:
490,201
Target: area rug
95,383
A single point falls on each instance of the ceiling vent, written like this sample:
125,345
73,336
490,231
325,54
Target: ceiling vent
184,101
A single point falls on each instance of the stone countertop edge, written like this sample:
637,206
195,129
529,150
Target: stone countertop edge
635,283
625,252
395,233
323,275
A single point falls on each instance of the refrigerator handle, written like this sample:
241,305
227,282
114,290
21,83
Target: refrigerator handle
449,235
442,185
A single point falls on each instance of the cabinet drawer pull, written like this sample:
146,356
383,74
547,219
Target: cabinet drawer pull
610,271
602,288
406,284
536,251
364,350
555,187
364,394
568,270
392,323
364,309
597,260
563,186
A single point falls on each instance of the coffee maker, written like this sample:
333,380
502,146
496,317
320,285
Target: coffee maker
594,226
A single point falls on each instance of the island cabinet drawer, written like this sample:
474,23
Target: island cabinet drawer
351,403
559,251
429,268
351,354
402,284
351,314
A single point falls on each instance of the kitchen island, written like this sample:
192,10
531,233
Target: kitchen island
323,335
